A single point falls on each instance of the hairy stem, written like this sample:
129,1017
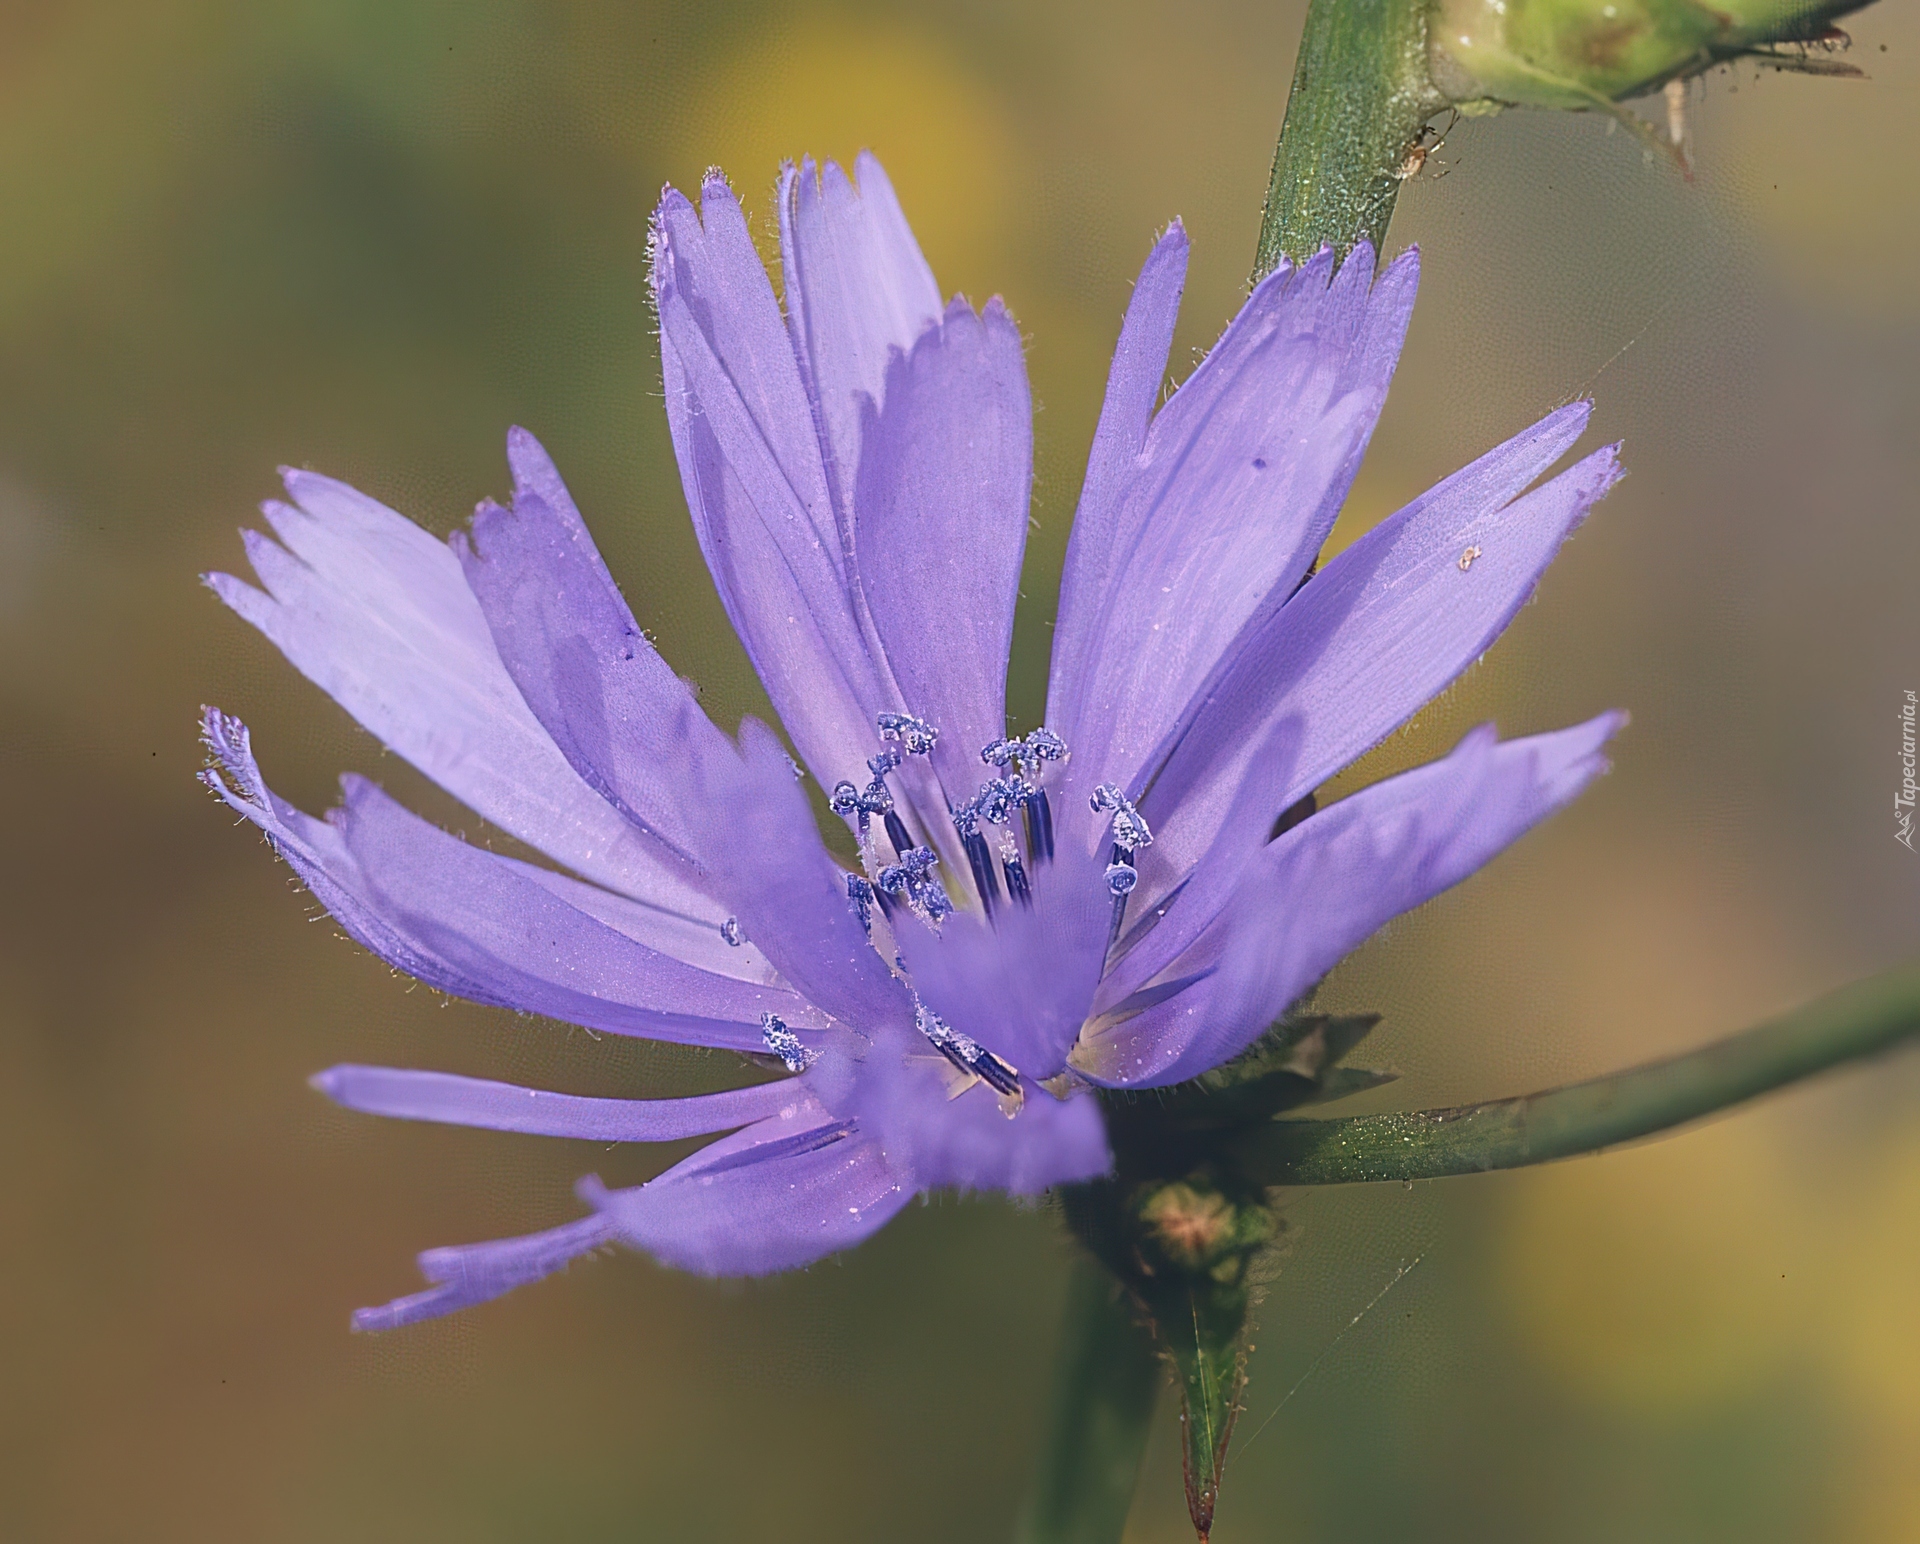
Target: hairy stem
1859,1020
1361,93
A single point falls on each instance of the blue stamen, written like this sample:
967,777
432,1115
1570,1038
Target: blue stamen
966,1053
915,735
1017,886
847,800
1000,753
980,860
1121,878
999,798
897,834
1130,833
914,879
1044,745
1041,746
730,931
860,897
966,821
1129,830
784,1043
1039,816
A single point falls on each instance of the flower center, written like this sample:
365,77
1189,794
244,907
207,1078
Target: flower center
1006,832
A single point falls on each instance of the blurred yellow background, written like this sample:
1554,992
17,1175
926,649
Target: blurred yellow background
367,237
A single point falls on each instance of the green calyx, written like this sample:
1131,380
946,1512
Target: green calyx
1188,1231
1577,54
1371,75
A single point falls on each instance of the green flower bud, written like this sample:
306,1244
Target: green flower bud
1485,54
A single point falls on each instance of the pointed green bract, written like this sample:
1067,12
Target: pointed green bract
1188,1232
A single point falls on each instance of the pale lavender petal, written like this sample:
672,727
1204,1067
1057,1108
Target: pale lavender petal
473,924
1133,391
1157,935
691,940
791,896
943,1133
1381,631
705,262
625,722
1321,889
780,1194
940,523
743,431
466,1274
405,1094
857,290
634,731
376,613
1235,489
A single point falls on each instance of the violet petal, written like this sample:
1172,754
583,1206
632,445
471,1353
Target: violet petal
470,923
1382,629
405,1094
857,290
1234,491
780,1194
376,613
940,526
467,1274
1362,862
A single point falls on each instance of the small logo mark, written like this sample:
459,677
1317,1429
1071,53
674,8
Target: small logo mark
1903,800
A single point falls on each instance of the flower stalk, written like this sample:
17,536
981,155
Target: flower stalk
1106,1384
1361,92
1860,1020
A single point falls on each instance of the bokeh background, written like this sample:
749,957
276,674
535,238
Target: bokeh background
367,237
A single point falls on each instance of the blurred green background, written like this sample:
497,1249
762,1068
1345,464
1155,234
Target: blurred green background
367,237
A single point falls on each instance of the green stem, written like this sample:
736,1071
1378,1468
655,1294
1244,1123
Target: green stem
1108,1377
1361,92
1857,1021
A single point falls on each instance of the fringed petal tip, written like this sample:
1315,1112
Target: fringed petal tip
1582,769
1591,479
229,748
1325,265
672,204
523,445
468,1274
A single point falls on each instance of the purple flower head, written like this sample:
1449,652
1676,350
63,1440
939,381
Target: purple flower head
1098,903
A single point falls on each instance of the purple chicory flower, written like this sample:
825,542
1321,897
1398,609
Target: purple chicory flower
1100,902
